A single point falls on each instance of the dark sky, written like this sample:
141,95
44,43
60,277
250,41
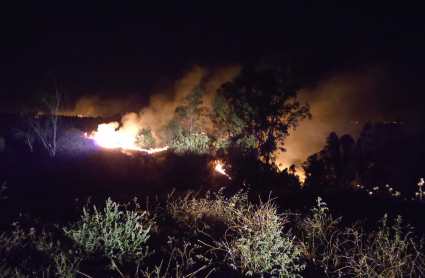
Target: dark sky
110,50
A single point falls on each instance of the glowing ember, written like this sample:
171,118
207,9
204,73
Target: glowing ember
219,168
156,150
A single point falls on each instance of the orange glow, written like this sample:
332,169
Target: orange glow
219,168
107,136
299,172
110,137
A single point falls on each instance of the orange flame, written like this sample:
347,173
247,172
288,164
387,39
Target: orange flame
219,168
107,136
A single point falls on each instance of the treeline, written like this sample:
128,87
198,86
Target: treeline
383,160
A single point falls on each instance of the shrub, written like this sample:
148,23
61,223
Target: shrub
181,261
113,234
31,254
204,214
316,232
144,139
388,252
256,244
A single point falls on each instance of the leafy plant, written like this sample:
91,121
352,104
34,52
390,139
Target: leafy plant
144,139
182,260
255,243
317,230
204,214
388,252
186,131
113,234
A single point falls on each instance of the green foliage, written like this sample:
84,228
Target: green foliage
259,103
204,214
31,254
256,244
225,120
316,230
254,241
190,110
185,132
181,261
192,143
199,235
66,265
144,139
387,252
113,234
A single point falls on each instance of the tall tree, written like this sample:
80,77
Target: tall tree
191,110
185,131
258,109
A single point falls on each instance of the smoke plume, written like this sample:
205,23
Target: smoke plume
343,104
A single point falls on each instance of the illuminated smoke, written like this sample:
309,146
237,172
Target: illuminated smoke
160,110
162,105
341,104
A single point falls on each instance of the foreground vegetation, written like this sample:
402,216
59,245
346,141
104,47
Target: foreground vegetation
209,236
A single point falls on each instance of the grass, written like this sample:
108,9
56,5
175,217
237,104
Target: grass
200,236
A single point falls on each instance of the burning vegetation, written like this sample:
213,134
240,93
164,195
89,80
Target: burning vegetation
254,114
224,148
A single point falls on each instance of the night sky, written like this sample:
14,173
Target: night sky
117,50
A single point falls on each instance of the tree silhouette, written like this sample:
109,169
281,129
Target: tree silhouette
258,109
332,167
46,126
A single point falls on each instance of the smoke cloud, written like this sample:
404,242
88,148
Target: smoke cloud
161,104
343,104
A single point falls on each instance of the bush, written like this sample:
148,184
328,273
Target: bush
387,252
256,244
144,139
114,234
316,231
205,214
31,254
